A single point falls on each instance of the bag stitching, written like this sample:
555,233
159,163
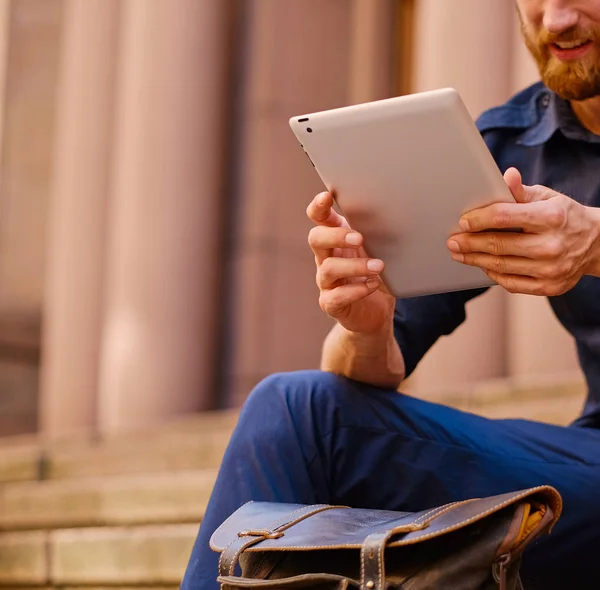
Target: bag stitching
210,542
424,537
223,553
286,519
380,551
307,512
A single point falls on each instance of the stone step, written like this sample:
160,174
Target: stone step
24,559
178,452
554,410
20,463
122,556
149,555
179,497
194,442
198,442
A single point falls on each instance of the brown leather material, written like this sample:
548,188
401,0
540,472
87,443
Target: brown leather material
372,556
323,582
472,545
247,537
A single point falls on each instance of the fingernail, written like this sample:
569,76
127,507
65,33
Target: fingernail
353,239
323,200
375,265
453,246
458,257
464,225
372,283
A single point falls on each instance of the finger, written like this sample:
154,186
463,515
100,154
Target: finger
520,284
523,193
513,265
334,301
333,270
513,179
531,217
502,244
323,240
321,212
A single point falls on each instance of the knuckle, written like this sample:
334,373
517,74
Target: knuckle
498,265
319,278
540,288
327,269
562,269
549,271
501,217
510,285
313,236
553,289
323,302
333,302
494,244
553,247
556,214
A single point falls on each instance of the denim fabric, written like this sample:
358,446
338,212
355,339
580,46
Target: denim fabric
313,437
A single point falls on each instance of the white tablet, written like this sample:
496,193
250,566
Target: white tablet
403,171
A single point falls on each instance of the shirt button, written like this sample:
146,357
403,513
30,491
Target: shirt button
545,100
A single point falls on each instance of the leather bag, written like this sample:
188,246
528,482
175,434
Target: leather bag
470,545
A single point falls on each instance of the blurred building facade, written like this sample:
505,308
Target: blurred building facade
153,255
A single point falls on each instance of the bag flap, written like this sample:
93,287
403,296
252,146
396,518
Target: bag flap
294,526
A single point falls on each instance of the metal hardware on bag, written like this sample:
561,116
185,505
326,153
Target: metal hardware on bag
264,534
370,584
500,567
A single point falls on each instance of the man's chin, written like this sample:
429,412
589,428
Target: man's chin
576,90
576,81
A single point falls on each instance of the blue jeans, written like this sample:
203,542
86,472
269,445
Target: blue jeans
313,437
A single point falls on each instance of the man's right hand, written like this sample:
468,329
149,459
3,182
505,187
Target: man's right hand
352,291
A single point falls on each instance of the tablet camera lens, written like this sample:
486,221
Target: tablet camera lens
309,129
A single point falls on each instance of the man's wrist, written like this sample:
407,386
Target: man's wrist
368,343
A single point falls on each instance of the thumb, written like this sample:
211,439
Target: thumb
523,193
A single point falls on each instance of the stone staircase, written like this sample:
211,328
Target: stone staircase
124,512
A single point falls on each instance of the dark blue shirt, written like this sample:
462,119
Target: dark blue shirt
537,132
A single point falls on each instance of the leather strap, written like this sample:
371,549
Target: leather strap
231,553
372,561
372,555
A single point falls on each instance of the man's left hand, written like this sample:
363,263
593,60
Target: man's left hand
560,241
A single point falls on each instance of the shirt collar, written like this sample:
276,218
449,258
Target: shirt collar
555,114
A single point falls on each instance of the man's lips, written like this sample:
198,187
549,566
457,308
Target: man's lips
572,52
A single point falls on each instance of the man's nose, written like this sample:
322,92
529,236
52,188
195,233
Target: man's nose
560,16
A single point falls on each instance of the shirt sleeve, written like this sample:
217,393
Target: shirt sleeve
420,321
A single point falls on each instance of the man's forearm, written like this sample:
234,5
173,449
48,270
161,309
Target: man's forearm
375,359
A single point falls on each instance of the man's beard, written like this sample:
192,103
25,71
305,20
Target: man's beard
578,79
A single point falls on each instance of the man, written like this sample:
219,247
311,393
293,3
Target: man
344,435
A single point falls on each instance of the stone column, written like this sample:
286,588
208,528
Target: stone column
4,49
538,346
298,61
371,57
158,351
466,44
74,282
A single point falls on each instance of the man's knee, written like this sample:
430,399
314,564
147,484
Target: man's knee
289,390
